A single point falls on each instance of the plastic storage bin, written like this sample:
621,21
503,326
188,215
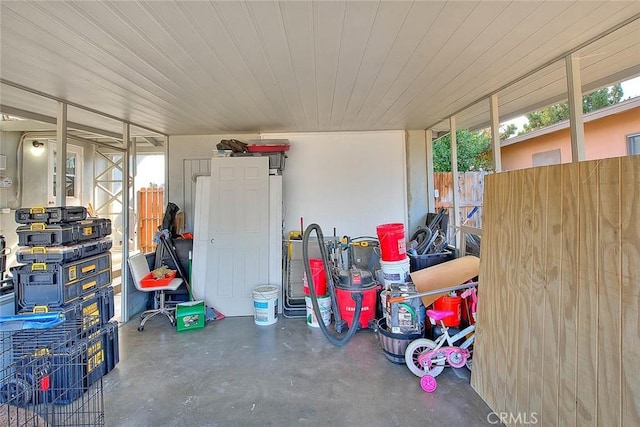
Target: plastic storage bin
51,215
41,234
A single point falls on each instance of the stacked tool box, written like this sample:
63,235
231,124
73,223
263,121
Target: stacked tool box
66,267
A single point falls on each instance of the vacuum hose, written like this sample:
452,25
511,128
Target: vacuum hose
338,339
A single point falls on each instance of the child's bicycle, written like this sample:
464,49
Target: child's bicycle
426,358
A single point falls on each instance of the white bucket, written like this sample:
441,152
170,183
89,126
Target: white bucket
324,303
395,271
265,304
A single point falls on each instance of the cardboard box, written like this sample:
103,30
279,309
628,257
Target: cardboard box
445,275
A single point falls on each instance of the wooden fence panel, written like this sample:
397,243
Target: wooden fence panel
150,213
471,188
558,336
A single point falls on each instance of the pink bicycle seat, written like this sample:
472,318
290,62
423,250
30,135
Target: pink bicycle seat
439,314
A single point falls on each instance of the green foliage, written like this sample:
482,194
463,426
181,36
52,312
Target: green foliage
508,131
474,151
559,112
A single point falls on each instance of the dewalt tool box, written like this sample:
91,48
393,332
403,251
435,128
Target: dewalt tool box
41,234
51,215
96,363
57,284
111,345
89,313
50,254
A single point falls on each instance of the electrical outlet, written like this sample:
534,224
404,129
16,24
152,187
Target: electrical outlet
436,193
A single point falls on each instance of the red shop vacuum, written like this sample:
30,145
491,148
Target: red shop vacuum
356,281
353,294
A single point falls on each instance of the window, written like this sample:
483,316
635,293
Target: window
544,158
73,180
633,144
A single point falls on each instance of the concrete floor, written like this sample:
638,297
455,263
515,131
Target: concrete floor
236,373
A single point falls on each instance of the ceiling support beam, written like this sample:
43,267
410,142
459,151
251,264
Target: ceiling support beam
166,170
454,173
576,122
495,133
126,226
152,141
73,104
52,120
61,156
431,189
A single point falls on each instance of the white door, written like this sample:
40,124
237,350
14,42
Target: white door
200,237
237,259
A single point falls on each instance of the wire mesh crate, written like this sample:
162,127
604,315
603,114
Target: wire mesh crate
46,373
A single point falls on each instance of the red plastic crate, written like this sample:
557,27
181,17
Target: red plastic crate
149,281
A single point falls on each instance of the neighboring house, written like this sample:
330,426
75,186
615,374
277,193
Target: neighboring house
609,132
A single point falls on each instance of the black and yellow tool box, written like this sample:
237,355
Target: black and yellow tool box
51,215
111,345
57,284
96,363
49,254
89,313
41,234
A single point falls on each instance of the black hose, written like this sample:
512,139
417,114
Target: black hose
339,339
422,242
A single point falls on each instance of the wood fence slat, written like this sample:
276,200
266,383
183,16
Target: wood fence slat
471,187
523,289
588,273
630,287
512,227
150,213
609,294
503,294
485,353
537,331
552,304
568,330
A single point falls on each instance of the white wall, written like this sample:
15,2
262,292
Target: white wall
353,181
183,149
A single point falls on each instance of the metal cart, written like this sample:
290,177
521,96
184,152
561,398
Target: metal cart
50,373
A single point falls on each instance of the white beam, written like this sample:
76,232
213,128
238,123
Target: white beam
454,172
166,171
126,225
576,122
431,189
61,155
495,133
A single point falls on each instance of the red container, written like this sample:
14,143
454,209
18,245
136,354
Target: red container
393,246
149,281
347,305
267,148
319,278
449,304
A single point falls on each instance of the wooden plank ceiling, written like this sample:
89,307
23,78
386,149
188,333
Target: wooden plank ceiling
226,67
